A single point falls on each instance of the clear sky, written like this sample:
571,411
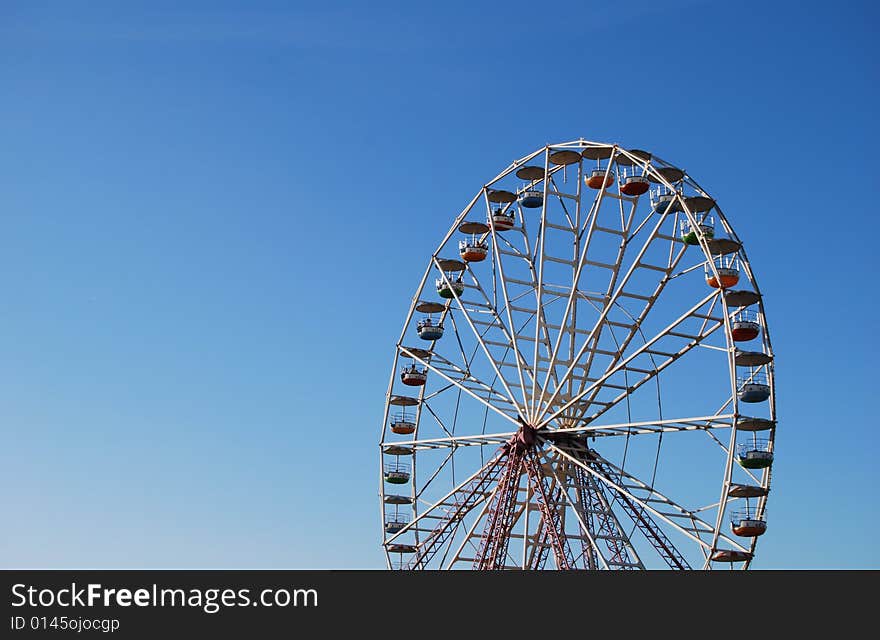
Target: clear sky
213,216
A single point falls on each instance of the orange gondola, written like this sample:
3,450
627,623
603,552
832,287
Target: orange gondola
599,180
725,273
634,185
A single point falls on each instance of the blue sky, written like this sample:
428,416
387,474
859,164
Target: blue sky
214,215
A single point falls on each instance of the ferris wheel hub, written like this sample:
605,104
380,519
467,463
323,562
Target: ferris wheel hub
525,437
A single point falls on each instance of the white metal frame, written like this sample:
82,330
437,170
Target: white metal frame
508,321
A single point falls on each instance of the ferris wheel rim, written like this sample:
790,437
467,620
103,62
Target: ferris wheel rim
633,157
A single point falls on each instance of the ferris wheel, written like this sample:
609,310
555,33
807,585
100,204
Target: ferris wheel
584,379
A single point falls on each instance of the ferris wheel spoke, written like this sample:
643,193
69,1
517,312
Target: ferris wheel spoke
455,442
539,365
591,227
621,347
546,294
654,534
645,372
518,333
427,483
561,196
468,362
648,375
535,315
572,297
508,330
609,299
593,506
464,358
577,262
715,439
507,248
626,364
589,260
537,275
568,322
437,419
476,334
638,322
608,305
632,325
591,554
666,425
643,495
435,394
467,383
752,476
631,485
726,450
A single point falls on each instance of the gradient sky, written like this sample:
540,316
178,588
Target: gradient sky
213,216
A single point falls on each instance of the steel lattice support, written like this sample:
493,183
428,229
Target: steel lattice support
461,503
496,535
648,527
542,548
548,499
588,552
608,529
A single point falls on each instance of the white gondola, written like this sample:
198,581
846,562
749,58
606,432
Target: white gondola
746,524
725,273
413,376
397,472
756,454
690,233
753,387
664,201
501,220
633,185
429,330
446,289
745,326
394,523
402,424
531,198
731,555
475,248
599,178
